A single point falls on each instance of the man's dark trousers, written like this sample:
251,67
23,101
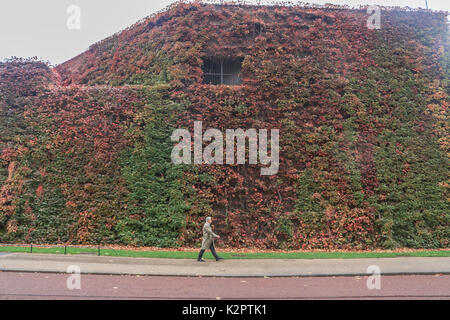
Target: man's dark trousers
213,251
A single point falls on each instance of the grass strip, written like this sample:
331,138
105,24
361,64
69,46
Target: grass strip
226,255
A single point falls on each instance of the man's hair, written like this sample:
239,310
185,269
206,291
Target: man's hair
208,218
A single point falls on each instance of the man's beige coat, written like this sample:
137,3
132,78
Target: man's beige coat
208,236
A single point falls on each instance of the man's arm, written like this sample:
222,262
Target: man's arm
209,231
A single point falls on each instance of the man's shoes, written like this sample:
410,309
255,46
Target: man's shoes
219,258
201,260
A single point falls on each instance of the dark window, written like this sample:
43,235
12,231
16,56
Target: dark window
258,29
222,71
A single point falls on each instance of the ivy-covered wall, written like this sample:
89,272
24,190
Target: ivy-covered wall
85,147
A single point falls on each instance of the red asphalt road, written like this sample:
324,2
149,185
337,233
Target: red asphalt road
14,285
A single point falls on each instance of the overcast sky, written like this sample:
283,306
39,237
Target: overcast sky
40,27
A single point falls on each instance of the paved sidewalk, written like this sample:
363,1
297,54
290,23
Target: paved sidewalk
25,262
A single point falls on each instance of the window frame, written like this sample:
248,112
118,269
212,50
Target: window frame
221,60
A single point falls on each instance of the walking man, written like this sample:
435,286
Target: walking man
208,241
